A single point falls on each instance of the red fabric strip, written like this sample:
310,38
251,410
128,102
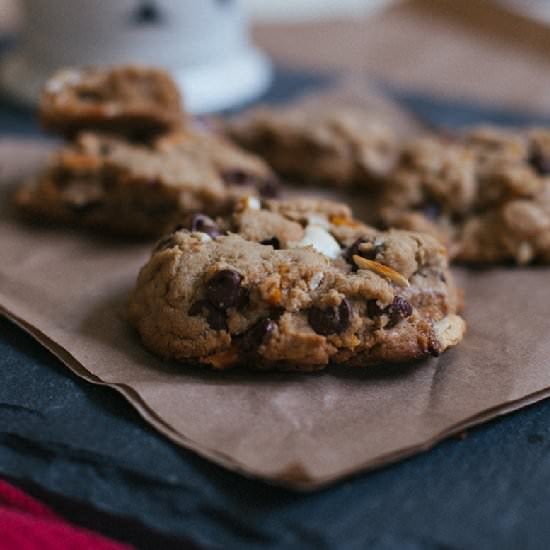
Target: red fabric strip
27,524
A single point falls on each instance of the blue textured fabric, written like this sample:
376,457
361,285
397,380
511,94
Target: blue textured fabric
86,445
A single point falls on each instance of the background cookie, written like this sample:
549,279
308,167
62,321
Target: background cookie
341,147
134,101
486,194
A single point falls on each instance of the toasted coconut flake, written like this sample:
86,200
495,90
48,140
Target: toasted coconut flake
79,161
222,360
381,269
274,296
338,219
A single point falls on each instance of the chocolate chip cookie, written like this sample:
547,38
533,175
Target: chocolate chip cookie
341,147
294,285
114,185
133,101
485,194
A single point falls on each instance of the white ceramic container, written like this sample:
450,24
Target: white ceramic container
203,43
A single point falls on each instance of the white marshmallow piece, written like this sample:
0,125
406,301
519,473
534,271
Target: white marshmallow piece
320,239
251,203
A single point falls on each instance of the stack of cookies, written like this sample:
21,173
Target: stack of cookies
134,163
239,278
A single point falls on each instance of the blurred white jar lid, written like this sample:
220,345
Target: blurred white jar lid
203,43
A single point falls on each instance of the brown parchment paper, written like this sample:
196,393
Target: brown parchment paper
69,289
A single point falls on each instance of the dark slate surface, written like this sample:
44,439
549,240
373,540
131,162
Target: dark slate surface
91,455
490,490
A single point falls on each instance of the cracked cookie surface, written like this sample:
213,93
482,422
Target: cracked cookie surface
295,285
341,147
486,194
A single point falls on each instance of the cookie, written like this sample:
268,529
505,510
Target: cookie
486,194
341,147
133,101
113,185
295,285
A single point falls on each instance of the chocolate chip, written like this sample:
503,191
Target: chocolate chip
274,242
257,334
351,251
539,161
216,319
204,224
354,250
223,290
244,298
373,309
442,277
332,320
198,307
276,313
397,310
269,189
236,176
